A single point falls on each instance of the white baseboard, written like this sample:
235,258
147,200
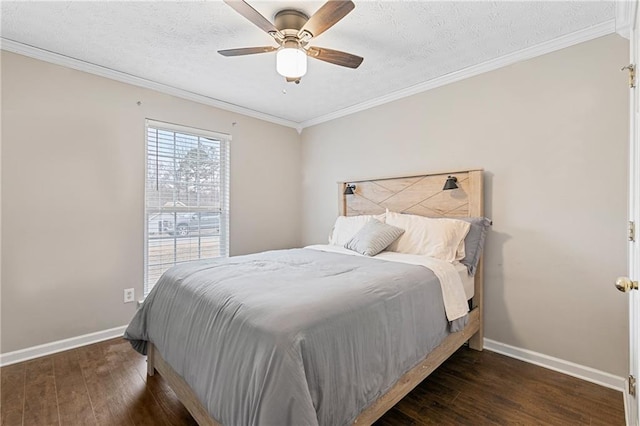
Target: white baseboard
60,345
576,370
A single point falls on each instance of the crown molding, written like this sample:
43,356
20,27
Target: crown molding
605,28
66,61
624,17
620,24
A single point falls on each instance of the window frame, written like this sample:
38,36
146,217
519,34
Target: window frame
225,148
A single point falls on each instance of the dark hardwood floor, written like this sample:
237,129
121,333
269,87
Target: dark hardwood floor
106,384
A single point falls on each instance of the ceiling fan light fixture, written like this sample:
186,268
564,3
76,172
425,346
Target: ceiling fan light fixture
293,31
291,62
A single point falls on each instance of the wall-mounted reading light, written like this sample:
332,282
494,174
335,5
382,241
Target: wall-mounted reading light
450,183
349,189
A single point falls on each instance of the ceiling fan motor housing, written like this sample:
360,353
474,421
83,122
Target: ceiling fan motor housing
290,19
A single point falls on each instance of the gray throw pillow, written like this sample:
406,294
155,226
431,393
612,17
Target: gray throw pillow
474,241
373,237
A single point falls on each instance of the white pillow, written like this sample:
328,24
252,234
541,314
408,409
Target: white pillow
439,238
347,226
461,252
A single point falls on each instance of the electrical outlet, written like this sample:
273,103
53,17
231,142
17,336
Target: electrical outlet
129,295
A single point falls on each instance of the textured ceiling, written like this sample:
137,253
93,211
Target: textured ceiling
404,43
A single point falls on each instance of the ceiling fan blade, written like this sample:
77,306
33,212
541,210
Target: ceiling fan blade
244,9
335,57
247,51
327,16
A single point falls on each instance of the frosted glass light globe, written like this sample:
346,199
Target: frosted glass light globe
291,62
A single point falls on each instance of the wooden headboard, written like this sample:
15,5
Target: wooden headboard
423,195
420,195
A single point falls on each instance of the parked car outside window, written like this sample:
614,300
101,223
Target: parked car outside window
182,224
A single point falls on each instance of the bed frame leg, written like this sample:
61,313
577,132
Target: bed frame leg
151,359
477,340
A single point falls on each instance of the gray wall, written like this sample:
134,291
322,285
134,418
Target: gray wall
73,195
551,134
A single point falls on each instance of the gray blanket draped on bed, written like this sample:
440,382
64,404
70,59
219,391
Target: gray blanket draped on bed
291,337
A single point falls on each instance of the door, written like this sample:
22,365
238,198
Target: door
630,283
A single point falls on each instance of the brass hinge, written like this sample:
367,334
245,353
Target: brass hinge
632,231
632,74
632,386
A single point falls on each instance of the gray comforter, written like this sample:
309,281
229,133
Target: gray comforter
291,337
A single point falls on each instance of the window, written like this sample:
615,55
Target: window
186,197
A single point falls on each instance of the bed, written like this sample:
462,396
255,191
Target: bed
282,340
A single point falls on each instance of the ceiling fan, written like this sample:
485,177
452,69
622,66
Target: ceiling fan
293,30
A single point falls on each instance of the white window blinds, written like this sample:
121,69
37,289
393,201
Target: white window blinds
186,197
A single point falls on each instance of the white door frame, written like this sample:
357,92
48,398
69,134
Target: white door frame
632,403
